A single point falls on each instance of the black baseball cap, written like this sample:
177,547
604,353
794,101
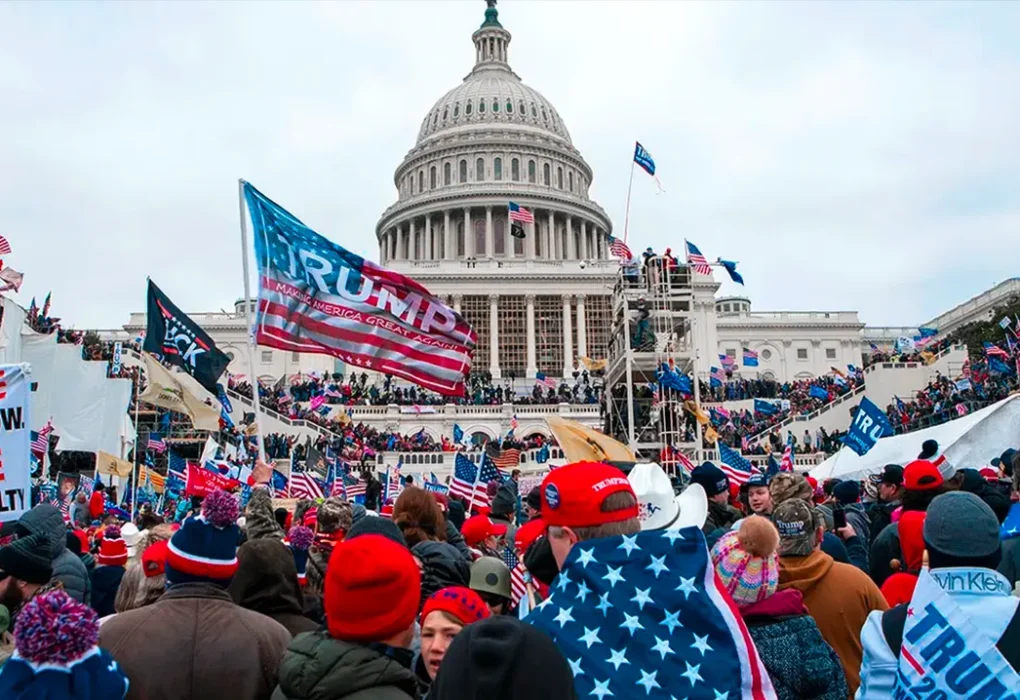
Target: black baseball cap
758,479
891,474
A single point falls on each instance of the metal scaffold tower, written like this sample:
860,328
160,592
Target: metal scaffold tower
653,329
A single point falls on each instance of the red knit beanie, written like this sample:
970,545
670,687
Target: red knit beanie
458,601
112,549
372,589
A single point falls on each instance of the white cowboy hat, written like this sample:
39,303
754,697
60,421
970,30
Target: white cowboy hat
658,508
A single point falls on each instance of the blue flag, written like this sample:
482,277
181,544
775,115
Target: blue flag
642,616
773,467
998,366
818,392
766,408
731,268
869,424
458,433
644,158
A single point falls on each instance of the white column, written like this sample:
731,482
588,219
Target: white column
384,247
551,237
411,252
568,338
489,248
531,233
582,336
532,354
394,240
571,245
469,235
585,252
494,335
449,239
508,240
456,302
427,242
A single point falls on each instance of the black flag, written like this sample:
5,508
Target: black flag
181,342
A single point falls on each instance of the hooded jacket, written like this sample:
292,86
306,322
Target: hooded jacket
68,569
721,516
899,588
839,597
318,667
454,538
266,582
799,661
105,582
441,566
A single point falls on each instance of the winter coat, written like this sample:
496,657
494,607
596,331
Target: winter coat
318,667
884,549
216,649
373,495
881,517
721,516
800,663
67,567
266,582
839,597
454,538
859,521
441,566
97,505
259,519
105,583
1010,564
80,515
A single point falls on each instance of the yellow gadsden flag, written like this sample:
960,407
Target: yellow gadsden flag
182,393
593,365
107,464
583,444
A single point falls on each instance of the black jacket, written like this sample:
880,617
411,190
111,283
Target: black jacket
441,566
318,667
456,539
266,582
105,583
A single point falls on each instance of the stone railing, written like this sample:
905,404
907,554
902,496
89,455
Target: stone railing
803,417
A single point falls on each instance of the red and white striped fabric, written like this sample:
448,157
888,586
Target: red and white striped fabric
786,463
5,247
304,485
518,588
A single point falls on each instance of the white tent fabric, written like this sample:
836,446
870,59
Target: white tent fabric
967,442
13,332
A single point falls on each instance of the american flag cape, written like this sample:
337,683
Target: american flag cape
317,297
646,616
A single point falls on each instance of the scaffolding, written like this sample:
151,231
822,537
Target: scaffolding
652,328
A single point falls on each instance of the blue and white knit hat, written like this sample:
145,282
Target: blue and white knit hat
204,550
57,654
299,539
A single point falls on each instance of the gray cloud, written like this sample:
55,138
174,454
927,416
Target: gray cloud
850,156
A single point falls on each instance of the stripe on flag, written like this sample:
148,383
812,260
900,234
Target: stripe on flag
619,249
5,247
304,485
696,260
519,213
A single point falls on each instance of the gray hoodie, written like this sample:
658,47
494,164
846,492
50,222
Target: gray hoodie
68,569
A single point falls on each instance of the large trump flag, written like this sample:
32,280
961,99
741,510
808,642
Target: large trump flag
317,297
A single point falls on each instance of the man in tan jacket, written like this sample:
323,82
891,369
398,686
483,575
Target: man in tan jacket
838,596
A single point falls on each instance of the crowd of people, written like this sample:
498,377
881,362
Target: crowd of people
594,583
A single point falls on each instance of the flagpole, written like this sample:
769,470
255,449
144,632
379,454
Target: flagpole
626,211
248,322
474,487
134,469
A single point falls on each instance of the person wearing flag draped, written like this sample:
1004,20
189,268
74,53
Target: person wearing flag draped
317,297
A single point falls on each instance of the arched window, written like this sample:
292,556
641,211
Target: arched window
534,113
570,179
538,241
435,118
531,171
559,178
545,117
411,180
522,109
467,109
446,173
463,171
498,236
497,169
481,106
421,181
432,178
518,244
460,239
515,170
509,107
479,238
545,174
479,170
495,104
456,110
446,113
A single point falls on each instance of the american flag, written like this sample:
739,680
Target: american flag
305,485
503,459
696,260
684,461
786,463
540,378
465,481
727,362
745,443
738,469
646,612
619,249
156,443
5,247
367,316
718,375
518,588
393,485
993,350
750,358
519,213
41,440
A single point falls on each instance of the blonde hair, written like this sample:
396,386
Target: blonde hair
136,589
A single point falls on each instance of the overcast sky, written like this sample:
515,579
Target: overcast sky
851,156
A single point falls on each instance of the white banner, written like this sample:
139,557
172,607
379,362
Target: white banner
944,654
417,410
117,349
15,443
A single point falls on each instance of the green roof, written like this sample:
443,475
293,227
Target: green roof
491,16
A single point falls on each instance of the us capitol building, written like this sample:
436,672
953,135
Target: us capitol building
540,302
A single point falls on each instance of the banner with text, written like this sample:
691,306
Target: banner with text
15,467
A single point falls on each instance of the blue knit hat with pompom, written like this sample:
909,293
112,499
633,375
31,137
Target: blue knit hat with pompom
204,550
57,654
299,539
